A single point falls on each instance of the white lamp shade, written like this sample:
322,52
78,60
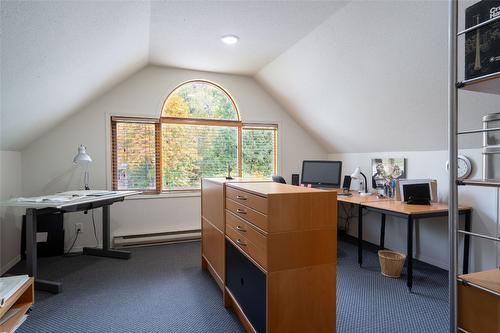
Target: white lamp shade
82,157
356,174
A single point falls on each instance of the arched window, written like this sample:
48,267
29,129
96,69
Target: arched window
199,134
200,100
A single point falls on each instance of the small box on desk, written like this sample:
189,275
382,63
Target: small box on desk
482,46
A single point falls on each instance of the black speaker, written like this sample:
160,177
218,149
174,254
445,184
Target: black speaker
295,179
347,183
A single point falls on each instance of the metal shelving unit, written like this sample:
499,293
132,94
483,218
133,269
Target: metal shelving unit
489,84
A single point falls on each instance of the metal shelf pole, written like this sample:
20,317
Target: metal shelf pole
453,152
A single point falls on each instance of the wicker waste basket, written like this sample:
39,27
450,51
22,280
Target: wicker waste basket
391,263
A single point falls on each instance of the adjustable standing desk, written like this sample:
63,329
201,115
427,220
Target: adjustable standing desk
403,210
34,209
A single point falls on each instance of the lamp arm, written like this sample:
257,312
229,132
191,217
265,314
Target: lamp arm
366,184
86,178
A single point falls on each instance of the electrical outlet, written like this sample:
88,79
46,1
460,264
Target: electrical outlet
78,228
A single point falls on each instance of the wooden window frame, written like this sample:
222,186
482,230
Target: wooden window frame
185,121
114,152
267,127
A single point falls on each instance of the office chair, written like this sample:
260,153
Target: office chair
279,179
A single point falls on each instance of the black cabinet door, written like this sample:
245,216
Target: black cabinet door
247,283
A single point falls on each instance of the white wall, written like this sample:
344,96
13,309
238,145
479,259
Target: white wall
10,218
47,162
431,235
373,77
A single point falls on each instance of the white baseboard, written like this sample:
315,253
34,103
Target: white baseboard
10,264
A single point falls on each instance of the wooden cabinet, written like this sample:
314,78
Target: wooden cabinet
22,299
479,301
279,256
212,228
213,203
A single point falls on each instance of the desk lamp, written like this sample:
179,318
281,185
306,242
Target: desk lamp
82,158
357,175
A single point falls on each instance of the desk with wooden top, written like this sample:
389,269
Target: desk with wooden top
408,212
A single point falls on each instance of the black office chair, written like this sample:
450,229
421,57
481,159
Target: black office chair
279,179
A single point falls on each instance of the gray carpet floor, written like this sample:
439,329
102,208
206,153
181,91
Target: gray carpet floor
162,289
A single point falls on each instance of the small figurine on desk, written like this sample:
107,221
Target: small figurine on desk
229,169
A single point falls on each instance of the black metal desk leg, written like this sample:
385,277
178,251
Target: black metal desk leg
467,226
409,253
31,248
106,251
382,232
360,235
31,255
106,229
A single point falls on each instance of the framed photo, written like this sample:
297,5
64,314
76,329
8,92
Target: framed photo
386,169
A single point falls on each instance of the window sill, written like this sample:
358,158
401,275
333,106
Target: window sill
166,195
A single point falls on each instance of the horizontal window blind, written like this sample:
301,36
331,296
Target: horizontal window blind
259,151
191,152
135,155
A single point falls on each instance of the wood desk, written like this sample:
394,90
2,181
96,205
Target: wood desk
410,213
387,206
356,199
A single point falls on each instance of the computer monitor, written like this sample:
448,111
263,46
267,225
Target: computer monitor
321,173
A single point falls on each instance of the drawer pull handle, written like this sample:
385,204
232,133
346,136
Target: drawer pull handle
240,228
239,241
240,211
240,197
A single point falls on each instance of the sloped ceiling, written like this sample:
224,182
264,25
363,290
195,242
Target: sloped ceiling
186,34
373,78
56,56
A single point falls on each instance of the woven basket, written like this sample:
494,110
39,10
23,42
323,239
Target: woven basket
391,263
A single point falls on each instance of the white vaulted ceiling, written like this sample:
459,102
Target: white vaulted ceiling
186,33
56,56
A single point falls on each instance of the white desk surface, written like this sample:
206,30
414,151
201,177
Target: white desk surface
78,200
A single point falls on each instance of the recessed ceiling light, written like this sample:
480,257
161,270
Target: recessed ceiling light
230,39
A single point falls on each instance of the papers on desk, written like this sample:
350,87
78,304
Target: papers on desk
9,285
87,193
47,198
66,196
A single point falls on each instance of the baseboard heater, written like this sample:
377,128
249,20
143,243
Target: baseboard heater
156,238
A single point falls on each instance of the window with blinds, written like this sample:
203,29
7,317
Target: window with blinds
199,134
134,155
259,153
191,152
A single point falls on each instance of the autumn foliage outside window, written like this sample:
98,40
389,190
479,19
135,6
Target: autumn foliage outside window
198,135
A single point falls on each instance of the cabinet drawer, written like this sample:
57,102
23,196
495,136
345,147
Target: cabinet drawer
250,200
478,310
247,283
248,214
247,230
246,245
